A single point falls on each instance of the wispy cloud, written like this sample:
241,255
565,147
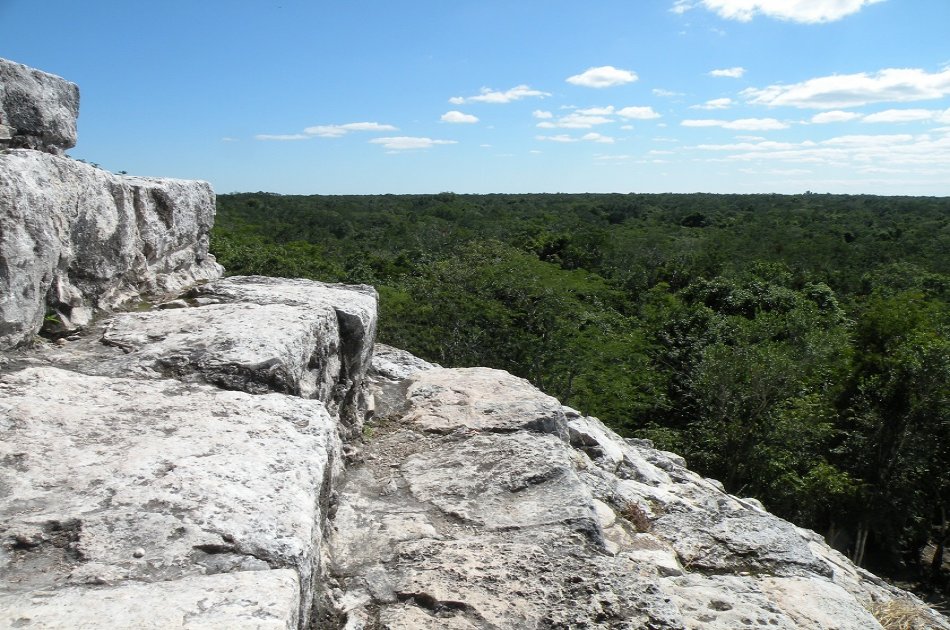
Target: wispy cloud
588,137
408,143
541,114
901,115
835,116
488,95
805,11
728,73
563,137
596,137
665,93
716,103
872,153
603,77
336,131
855,90
743,124
282,137
458,117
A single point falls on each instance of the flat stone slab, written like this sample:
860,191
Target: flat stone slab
241,346
259,600
481,399
110,479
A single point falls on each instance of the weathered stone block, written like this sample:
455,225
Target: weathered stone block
40,108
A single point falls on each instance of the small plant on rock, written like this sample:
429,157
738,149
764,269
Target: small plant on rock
636,516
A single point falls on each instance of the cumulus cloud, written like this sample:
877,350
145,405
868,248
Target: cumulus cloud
602,77
716,103
407,143
637,113
805,11
541,114
855,90
743,124
488,95
456,116
728,73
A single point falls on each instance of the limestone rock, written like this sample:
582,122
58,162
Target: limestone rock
76,240
480,502
249,600
344,346
39,109
203,480
395,364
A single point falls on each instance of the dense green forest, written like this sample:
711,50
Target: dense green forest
795,347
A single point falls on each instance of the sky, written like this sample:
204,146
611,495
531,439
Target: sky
505,96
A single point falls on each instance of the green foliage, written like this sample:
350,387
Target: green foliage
795,347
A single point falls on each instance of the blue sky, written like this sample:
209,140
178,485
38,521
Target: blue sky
295,96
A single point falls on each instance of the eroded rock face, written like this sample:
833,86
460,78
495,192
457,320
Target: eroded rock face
76,240
37,110
150,460
481,502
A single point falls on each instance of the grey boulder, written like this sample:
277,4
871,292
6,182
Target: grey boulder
37,110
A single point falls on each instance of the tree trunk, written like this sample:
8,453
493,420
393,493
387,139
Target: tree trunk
860,542
936,564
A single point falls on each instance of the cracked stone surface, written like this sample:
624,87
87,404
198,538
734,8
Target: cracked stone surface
107,480
250,600
479,502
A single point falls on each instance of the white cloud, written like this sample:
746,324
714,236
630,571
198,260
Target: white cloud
743,124
597,111
838,91
335,131
282,137
596,137
558,138
229,139
627,127
602,77
729,73
833,117
917,154
901,115
487,95
406,143
541,114
666,93
806,11
716,103
681,6
456,116
637,113
579,119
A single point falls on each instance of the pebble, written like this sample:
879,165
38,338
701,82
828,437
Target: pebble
138,553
